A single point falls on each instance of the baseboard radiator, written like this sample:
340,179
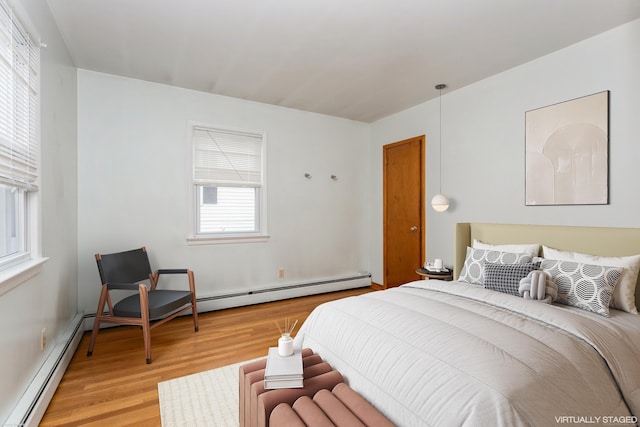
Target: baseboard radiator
274,293
33,403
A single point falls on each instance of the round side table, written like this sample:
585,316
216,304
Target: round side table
444,275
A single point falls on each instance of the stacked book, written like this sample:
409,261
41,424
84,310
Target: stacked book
283,371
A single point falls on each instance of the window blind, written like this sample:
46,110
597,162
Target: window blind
19,103
226,158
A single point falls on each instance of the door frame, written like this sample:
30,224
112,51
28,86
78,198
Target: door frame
423,227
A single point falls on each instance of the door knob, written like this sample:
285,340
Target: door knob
414,229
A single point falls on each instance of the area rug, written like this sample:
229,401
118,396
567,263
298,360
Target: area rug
208,399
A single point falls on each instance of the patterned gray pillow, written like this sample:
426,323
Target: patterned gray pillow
473,269
506,278
585,286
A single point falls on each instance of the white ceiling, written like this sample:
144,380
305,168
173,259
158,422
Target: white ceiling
357,59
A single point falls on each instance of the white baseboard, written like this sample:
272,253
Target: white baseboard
33,403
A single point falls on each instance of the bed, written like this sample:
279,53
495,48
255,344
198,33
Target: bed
441,353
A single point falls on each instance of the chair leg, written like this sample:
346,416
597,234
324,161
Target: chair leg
194,307
96,323
146,333
94,334
196,328
194,311
146,327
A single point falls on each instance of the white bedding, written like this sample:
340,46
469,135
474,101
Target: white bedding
448,354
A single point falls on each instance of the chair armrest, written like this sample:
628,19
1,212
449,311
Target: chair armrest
173,271
126,286
154,277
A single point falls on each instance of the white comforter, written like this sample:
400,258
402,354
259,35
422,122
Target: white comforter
449,354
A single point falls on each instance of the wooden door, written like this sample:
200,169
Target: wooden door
403,204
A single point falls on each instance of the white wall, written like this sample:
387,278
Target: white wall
48,300
483,142
133,181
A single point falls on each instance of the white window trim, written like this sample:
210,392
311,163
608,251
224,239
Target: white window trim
194,239
15,276
26,265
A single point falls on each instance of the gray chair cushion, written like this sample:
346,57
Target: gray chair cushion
161,302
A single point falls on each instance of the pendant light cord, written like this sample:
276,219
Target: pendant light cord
440,87
440,150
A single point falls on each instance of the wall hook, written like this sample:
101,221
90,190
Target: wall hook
334,177
307,175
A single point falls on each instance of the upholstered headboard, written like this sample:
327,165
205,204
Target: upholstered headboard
603,241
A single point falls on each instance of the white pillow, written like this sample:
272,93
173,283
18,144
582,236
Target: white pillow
624,293
530,249
473,268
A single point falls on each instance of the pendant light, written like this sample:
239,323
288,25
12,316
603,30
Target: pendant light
440,202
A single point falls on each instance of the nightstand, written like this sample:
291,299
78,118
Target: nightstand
445,275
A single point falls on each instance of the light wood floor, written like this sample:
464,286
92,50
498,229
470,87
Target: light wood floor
115,387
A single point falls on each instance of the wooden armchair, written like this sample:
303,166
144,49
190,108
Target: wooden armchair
148,307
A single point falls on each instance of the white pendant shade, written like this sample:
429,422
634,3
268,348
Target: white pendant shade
440,203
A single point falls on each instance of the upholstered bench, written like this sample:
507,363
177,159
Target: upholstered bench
256,403
341,407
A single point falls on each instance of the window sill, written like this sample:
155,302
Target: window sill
14,276
207,240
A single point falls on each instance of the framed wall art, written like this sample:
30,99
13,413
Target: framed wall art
567,152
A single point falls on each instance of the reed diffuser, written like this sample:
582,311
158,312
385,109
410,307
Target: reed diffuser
285,343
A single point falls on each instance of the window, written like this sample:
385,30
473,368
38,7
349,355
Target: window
19,136
228,185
